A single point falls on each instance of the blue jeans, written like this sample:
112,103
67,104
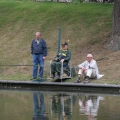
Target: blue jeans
39,106
38,60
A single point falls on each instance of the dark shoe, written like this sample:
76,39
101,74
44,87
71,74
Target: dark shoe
39,77
52,76
86,80
58,73
57,77
33,78
78,80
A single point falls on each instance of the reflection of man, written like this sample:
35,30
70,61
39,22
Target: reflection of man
39,107
61,105
90,106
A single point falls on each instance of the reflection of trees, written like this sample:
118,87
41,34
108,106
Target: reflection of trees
39,106
89,105
61,105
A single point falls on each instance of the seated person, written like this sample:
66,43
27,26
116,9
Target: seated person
89,69
64,56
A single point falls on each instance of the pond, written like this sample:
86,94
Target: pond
48,105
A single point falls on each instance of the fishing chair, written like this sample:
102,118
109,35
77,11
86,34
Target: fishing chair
66,72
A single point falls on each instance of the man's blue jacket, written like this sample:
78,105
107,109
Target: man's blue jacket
39,48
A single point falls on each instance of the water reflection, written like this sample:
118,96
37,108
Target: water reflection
39,107
89,105
46,105
62,104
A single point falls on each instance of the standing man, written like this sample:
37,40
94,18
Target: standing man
89,69
39,53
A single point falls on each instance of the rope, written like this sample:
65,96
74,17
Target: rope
21,65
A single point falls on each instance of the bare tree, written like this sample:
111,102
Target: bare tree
114,41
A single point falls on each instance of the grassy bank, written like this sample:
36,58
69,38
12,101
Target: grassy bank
86,26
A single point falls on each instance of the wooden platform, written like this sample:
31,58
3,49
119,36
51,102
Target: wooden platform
60,86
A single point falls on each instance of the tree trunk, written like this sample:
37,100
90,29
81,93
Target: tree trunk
114,41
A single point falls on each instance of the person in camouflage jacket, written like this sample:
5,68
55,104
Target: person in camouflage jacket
64,56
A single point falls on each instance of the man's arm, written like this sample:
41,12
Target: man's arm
82,65
68,56
45,49
32,47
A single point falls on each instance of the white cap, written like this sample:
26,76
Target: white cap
90,55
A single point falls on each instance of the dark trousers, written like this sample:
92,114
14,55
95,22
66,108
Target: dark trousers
55,67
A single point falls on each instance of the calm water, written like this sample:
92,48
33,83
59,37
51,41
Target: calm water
40,105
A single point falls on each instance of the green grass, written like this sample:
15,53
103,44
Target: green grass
82,24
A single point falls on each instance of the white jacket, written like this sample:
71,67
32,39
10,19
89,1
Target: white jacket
92,64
